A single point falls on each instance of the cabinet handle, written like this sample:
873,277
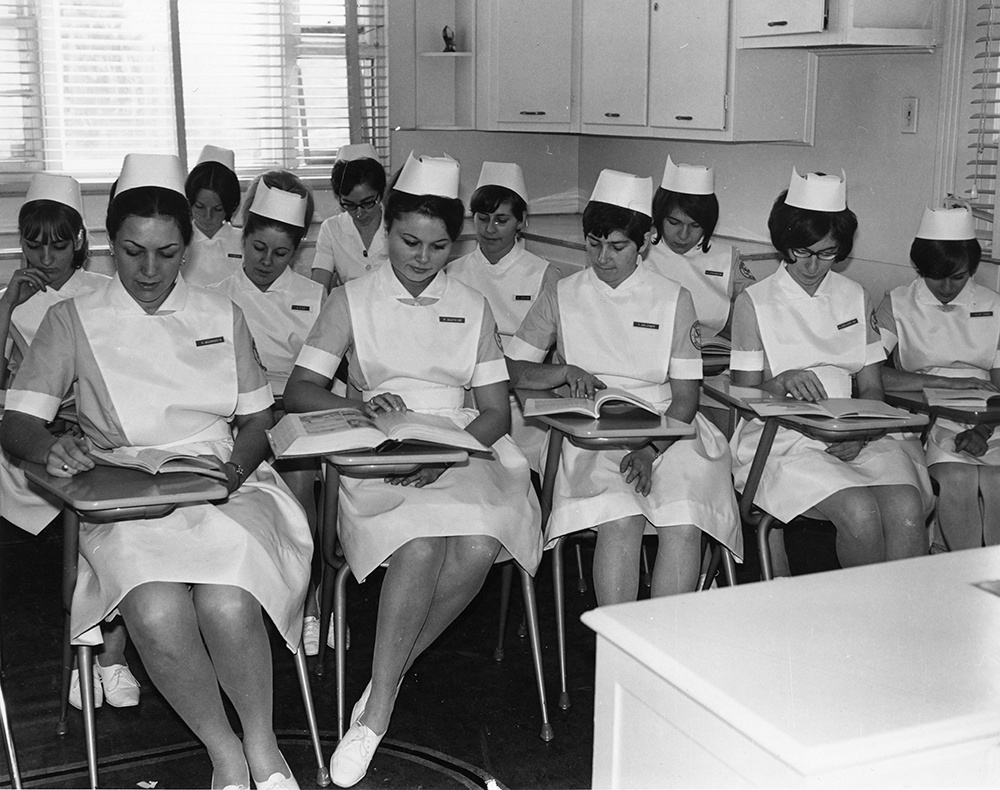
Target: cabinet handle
684,117
612,115
779,23
532,112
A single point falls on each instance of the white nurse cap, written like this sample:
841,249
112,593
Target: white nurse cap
151,170
817,192
59,189
429,175
275,203
213,153
503,174
947,224
689,179
349,153
624,190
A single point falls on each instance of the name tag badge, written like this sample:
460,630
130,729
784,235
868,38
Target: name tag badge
645,325
304,307
846,324
712,273
237,255
981,314
209,341
451,319
522,297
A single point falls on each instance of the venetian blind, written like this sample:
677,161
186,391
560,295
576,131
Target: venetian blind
89,80
981,168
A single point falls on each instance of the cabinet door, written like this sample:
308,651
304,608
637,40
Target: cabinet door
780,17
688,63
614,61
535,57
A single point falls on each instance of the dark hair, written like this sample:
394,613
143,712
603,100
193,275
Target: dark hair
45,221
795,228
489,197
148,202
602,219
703,209
217,178
937,259
347,174
286,182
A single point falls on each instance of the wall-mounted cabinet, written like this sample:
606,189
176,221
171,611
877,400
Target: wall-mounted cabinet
836,23
615,62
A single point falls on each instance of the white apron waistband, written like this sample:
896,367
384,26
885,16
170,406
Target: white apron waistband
654,393
424,398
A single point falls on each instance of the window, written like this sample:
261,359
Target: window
281,82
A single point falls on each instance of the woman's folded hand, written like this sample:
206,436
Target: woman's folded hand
68,456
637,466
581,383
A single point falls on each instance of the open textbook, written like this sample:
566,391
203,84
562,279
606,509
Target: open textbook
962,399
338,430
157,461
610,400
834,408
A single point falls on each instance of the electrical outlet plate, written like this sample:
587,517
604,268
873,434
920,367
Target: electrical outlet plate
908,121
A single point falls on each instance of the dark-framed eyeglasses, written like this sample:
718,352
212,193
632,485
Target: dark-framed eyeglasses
364,205
802,253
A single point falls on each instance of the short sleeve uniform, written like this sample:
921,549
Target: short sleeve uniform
958,339
708,276
172,379
777,326
280,318
211,260
20,504
339,249
427,350
511,286
639,337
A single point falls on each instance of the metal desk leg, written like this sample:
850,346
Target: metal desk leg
8,742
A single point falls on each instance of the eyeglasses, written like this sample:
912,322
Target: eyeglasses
364,205
824,255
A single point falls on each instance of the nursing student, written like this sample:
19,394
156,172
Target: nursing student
213,190
280,307
503,271
353,243
685,213
419,339
54,248
943,330
619,324
157,363
809,333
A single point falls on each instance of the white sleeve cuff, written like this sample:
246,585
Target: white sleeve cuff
874,353
996,359
523,352
318,361
489,373
36,404
253,402
746,360
686,368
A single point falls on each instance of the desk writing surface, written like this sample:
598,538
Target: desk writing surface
833,668
917,401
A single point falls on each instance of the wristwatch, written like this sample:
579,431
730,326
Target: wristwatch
240,473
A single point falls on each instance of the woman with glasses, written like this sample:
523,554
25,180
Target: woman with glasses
353,243
809,333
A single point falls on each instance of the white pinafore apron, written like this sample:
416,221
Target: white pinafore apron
511,286
955,340
427,355
707,275
827,334
624,336
257,540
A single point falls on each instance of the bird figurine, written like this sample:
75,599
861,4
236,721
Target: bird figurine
449,39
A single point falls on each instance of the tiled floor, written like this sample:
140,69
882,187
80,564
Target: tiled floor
459,710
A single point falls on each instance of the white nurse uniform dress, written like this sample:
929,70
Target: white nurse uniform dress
340,250
708,276
20,504
211,260
777,326
958,339
638,337
172,379
279,318
511,286
428,350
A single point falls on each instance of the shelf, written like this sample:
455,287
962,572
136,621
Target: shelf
445,54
